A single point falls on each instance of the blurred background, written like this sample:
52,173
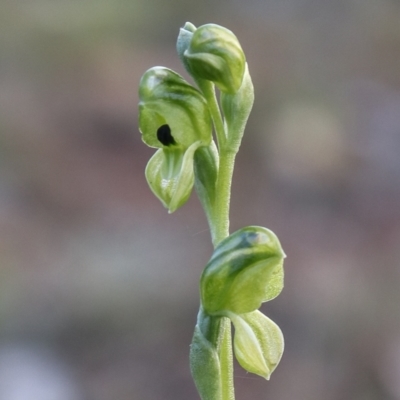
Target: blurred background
99,285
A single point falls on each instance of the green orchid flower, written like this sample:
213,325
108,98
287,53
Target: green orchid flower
173,117
245,270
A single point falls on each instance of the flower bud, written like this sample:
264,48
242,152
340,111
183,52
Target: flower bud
245,270
214,54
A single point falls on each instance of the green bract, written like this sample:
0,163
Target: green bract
245,270
213,53
174,117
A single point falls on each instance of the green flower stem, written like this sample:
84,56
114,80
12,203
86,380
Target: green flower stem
219,226
226,359
219,334
220,216
223,195
209,93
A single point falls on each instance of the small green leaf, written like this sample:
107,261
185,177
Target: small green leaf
245,270
215,54
258,343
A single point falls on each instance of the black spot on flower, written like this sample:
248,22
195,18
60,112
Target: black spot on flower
164,135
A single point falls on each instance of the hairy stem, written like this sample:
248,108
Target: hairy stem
223,195
226,359
209,93
218,218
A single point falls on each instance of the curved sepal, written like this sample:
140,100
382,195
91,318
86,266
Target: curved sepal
245,270
258,343
215,54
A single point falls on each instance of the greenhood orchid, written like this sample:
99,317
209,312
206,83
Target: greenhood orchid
246,270
246,267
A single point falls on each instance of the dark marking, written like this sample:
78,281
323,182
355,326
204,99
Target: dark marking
164,135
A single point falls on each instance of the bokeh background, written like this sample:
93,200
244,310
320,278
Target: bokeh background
99,285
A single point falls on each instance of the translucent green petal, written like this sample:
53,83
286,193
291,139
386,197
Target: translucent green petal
258,343
170,175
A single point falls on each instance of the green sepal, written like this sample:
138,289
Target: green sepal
170,175
167,99
245,270
258,343
215,54
236,109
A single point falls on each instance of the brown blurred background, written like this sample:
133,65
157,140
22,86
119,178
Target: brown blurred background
99,285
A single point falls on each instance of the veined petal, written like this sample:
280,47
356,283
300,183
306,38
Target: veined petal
170,175
258,343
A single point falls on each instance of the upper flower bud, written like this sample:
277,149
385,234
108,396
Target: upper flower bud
245,270
213,53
